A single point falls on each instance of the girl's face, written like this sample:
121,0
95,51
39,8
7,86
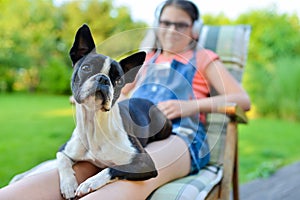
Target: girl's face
175,32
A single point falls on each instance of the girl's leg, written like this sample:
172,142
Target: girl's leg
40,186
172,159
45,185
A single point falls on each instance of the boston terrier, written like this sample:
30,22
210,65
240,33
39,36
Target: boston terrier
109,134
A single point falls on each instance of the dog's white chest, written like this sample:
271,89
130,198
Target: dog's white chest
100,138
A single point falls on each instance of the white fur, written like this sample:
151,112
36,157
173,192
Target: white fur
68,183
106,66
99,137
86,88
93,183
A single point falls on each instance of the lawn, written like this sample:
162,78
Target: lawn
266,145
32,127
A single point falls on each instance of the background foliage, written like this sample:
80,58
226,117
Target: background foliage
273,66
37,35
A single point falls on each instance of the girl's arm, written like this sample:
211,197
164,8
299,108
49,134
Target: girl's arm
228,88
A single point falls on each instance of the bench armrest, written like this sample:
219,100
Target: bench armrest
234,112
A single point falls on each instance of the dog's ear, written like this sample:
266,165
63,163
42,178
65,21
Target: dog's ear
83,44
132,64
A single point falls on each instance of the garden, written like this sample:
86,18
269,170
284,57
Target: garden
36,117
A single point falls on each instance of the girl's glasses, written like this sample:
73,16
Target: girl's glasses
179,26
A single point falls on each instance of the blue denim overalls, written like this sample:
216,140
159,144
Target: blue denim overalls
163,82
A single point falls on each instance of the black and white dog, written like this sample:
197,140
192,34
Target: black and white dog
108,134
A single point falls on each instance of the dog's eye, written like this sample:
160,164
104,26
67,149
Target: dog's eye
119,82
86,68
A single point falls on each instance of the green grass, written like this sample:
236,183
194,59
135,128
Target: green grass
32,127
266,145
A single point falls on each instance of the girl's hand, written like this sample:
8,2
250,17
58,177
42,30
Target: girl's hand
177,108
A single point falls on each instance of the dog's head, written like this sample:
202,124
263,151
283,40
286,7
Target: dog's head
97,80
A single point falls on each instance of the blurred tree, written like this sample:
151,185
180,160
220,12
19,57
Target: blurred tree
29,37
219,19
273,65
272,71
38,34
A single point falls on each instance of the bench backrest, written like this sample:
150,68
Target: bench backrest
230,42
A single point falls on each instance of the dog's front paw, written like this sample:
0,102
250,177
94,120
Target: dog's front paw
93,183
86,187
68,187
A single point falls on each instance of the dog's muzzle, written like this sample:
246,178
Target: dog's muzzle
103,91
97,91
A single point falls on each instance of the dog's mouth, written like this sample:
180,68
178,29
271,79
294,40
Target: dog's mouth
102,98
99,95
96,101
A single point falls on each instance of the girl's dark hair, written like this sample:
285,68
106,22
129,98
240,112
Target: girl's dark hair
189,7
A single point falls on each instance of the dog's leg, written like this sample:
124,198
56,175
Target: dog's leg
141,168
68,182
95,182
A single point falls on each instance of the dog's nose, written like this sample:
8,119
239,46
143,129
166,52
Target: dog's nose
103,80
